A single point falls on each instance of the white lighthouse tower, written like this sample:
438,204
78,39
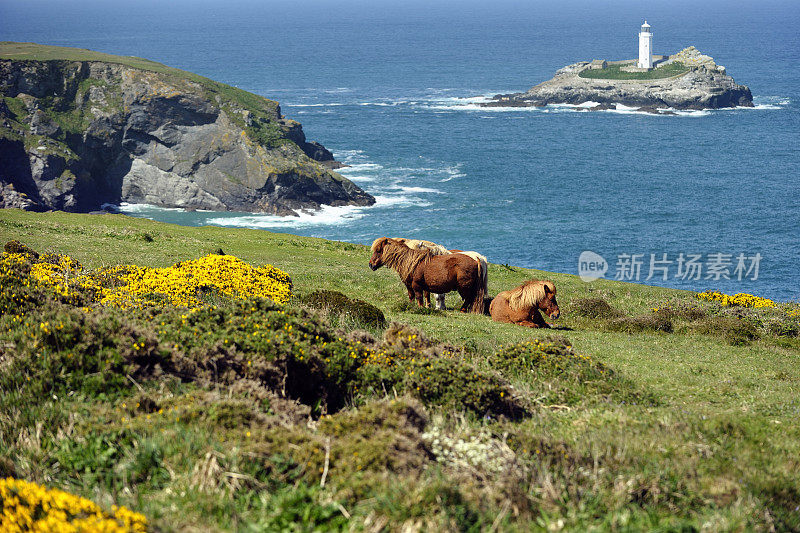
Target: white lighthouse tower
645,47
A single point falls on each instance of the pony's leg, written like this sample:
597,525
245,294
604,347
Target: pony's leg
468,298
531,324
419,292
410,294
537,320
427,296
440,302
420,297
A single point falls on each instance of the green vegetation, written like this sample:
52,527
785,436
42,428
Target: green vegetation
247,415
615,72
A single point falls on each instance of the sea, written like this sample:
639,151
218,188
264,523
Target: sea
699,200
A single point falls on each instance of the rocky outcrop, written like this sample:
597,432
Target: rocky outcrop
700,84
77,134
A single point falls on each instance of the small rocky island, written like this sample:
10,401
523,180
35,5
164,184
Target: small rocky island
688,80
79,129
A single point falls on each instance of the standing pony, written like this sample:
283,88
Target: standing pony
522,304
421,272
438,249
435,249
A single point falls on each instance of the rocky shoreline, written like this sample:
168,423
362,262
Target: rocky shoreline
77,134
700,85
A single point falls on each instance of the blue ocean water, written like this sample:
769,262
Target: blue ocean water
391,88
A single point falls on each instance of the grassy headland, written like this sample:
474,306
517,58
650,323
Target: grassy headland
666,413
262,127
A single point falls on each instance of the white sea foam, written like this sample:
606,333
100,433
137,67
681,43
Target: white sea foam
126,207
359,178
419,189
399,201
359,167
326,216
330,104
453,172
350,153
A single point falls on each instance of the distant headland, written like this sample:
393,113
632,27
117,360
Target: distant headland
688,80
80,129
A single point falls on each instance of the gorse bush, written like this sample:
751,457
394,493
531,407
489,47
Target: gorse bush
184,284
593,308
67,349
359,311
564,376
652,322
740,299
27,506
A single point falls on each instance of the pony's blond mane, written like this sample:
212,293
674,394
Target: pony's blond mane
399,257
476,257
418,244
529,294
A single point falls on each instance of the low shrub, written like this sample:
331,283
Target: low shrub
563,376
593,308
654,322
736,331
16,247
382,436
361,312
64,350
782,327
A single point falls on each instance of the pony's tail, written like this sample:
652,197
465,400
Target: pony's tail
480,290
485,277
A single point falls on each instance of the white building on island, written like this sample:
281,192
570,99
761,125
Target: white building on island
645,47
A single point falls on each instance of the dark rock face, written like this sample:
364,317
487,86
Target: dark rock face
699,88
77,134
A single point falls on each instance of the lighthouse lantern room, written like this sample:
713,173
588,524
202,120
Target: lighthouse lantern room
645,47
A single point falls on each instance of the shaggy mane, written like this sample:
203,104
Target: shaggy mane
529,294
400,257
417,244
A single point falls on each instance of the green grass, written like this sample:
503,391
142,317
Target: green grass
40,52
615,72
627,431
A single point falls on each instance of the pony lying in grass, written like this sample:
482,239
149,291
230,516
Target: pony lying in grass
522,304
423,273
438,249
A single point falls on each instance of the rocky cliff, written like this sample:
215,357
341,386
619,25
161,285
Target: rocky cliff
79,129
687,80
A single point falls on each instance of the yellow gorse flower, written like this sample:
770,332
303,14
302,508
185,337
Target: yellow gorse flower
182,282
26,506
136,286
740,299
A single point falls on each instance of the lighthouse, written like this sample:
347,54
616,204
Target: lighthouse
645,47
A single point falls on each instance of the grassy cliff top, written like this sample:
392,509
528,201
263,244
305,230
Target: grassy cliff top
41,52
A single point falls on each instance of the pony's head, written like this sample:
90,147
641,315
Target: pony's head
376,261
548,304
536,293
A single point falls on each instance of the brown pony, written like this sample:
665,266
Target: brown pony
438,249
422,272
522,304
